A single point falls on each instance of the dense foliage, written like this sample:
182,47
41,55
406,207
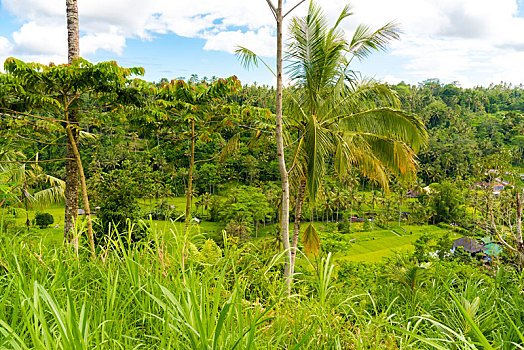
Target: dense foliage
409,196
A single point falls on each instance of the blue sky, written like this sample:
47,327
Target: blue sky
172,56
474,42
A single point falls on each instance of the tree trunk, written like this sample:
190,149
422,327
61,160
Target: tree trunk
351,216
296,229
284,177
71,190
518,226
83,187
190,175
399,212
73,37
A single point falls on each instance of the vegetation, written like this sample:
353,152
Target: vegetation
191,188
43,220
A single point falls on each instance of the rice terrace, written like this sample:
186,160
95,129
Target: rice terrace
253,174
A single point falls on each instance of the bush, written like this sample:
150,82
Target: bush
116,193
163,211
456,229
43,220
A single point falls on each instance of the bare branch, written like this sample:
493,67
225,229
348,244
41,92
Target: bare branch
294,7
36,161
13,114
255,129
33,140
272,7
498,234
207,160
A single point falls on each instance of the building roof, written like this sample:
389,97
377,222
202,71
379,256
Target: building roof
469,244
492,249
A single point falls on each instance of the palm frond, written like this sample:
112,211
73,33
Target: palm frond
388,122
311,240
249,59
365,40
317,146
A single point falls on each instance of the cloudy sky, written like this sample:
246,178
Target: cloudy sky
475,42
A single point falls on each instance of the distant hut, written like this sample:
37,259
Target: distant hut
412,194
469,245
81,211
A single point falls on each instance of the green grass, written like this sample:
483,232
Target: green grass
173,294
363,246
379,244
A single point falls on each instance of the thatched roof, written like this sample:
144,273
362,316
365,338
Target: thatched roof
469,244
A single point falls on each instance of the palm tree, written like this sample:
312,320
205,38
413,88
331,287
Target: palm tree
71,192
337,115
373,202
19,181
399,190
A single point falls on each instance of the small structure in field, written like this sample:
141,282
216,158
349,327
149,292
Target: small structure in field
469,245
473,246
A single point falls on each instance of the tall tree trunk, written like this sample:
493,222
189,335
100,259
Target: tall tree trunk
399,212
189,191
296,229
73,37
83,187
71,190
518,225
351,216
284,176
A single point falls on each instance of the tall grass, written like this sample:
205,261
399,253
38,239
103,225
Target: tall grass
172,293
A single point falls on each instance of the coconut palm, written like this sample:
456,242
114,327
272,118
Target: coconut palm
72,171
19,181
336,115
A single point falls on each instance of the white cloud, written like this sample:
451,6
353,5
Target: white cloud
36,39
389,78
113,41
5,46
474,41
469,40
261,41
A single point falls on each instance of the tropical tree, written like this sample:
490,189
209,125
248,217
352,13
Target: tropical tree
358,123
71,190
41,94
28,186
249,58
190,108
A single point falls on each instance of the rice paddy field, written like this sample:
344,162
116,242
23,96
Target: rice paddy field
361,246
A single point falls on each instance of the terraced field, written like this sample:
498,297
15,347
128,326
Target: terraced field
376,245
366,246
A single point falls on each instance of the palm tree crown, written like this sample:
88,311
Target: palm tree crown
337,114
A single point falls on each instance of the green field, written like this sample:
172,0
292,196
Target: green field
364,246
377,245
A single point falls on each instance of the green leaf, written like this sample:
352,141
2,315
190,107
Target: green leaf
311,240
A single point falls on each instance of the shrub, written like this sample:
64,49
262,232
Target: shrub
164,211
43,220
116,194
456,229
344,226
239,228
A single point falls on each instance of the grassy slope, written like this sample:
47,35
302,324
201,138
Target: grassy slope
358,246
374,246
